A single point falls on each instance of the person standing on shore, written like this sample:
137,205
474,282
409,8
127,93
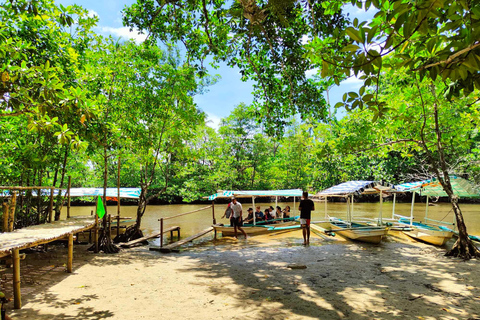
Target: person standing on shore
306,206
236,218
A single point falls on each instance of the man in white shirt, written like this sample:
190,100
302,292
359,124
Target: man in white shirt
236,217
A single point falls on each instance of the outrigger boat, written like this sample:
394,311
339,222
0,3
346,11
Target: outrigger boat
433,231
356,230
259,227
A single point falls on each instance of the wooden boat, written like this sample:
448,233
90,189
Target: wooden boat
259,228
428,233
358,231
355,229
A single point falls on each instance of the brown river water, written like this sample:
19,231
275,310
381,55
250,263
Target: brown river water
195,222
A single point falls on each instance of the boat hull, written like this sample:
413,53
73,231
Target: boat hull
370,235
228,231
435,237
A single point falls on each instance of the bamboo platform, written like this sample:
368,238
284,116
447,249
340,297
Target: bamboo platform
12,242
155,235
171,247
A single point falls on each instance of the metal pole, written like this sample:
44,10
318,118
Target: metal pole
161,232
411,210
326,214
254,211
380,221
393,208
426,211
351,204
276,203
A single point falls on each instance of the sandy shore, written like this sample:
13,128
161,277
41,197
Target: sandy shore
399,279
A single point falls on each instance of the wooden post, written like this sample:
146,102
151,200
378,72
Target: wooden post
95,233
161,232
68,198
13,206
6,215
17,296
70,253
50,207
213,212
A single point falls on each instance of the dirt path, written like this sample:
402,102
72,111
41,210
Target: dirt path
253,280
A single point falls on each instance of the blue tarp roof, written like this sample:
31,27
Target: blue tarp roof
432,187
132,193
355,187
258,193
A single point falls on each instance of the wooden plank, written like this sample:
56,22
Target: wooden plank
174,245
155,235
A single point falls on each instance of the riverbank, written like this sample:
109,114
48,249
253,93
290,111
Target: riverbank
265,277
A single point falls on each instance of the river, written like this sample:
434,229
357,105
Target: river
195,222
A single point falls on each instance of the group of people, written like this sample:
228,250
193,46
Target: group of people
234,213
268,215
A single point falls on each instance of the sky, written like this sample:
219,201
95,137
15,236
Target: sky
229,91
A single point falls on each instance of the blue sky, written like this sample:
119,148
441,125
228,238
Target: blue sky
229,91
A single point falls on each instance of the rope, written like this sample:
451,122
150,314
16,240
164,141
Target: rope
182,214
447,214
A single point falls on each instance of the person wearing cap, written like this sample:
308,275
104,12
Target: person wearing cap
249,218
236,218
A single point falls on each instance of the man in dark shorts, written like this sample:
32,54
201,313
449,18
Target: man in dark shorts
306,206
236,218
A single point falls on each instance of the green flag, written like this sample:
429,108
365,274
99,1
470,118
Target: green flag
100,208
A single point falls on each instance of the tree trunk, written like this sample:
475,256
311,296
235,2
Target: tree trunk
59,200
463,247
134,232
104,240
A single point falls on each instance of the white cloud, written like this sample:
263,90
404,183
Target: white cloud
352,83
213,121
305,39
92,13
310,73
125,33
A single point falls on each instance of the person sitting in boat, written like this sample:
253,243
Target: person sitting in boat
278,214
259,214
268,216
249,218
286,212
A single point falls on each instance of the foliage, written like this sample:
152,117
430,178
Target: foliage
264,39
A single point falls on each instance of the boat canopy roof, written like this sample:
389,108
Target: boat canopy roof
132,193
432,187
356,187
256,193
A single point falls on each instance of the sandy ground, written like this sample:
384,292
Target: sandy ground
229,279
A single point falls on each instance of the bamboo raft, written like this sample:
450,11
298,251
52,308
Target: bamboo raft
12,242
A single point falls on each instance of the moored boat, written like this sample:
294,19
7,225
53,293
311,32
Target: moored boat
259,228
358,231
429,233
355,229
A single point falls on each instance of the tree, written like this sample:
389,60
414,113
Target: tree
164,118
419,123
262,38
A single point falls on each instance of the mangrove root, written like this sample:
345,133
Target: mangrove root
464,249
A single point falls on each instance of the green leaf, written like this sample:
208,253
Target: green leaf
354,34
